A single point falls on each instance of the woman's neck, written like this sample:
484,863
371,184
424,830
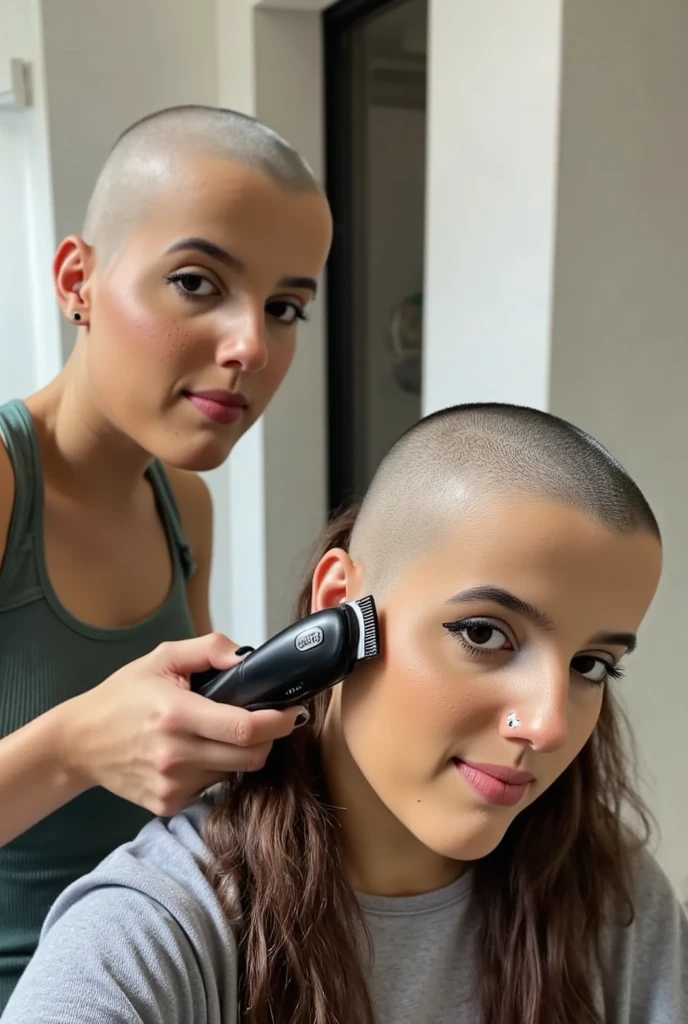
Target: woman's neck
84,455
382,857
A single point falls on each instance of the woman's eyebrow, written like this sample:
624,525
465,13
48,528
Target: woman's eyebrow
208,249
627,640
507,600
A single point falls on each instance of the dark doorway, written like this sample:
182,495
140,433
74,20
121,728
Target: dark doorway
375,81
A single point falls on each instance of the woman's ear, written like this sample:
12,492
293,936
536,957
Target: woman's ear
72,269
336,580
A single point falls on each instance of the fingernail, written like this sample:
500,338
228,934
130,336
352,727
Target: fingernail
240,651
302,717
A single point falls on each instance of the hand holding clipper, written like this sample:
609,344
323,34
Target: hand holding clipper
303,660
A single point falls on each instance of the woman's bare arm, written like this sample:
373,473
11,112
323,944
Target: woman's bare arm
34,780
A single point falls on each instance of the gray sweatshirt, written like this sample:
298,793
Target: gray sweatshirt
142,940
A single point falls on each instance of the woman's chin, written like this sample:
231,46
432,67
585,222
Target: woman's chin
470,838
198,455
201,462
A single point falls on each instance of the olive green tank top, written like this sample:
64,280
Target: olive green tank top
46,657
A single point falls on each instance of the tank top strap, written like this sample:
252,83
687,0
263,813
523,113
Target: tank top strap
19,577
169,508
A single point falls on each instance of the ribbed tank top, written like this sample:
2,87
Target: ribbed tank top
46,657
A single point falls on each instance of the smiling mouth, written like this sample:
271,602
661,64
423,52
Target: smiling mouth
219,406
497,784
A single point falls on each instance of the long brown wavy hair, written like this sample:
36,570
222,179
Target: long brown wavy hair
279,874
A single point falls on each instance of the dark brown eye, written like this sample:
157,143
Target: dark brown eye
479,635
482,634
285,312
190,282
192,286
595,670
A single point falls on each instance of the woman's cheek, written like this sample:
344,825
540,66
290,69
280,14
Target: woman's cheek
280,359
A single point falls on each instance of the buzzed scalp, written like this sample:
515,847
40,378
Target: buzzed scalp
483,449
147,150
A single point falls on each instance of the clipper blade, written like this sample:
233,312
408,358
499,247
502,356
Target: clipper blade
368,628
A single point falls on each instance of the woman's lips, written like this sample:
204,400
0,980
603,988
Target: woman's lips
218,406
498,784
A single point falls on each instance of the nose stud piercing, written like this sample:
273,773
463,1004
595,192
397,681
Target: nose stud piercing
513,721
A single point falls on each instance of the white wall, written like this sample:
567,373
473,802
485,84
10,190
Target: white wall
29,352
108,64
493,123
583,312
290,54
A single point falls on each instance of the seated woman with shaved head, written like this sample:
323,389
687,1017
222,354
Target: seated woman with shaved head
202,247
454,837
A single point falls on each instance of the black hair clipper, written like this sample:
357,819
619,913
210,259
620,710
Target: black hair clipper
300,662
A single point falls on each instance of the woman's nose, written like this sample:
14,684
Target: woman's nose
539,713
244,342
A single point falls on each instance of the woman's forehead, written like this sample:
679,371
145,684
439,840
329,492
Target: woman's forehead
235,207
545,551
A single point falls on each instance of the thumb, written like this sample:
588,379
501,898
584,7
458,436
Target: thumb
182,658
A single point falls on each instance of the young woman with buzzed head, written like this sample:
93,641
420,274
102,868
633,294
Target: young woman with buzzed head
204,241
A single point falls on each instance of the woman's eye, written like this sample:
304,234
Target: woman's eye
597,670
285,312
480,636
193,286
